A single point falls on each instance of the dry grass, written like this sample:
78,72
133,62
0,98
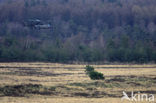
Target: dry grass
62,100
72,85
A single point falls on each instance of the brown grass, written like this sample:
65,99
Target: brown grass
72,85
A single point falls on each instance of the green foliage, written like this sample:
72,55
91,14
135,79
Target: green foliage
94,75
89,69
89,54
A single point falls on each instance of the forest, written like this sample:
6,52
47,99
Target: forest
81,31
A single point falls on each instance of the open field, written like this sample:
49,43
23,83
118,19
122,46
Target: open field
65,83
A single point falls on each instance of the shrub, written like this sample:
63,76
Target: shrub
94,75
89,69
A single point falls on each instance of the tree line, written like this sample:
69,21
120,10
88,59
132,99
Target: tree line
82,30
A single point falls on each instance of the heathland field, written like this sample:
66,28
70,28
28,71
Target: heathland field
68,83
